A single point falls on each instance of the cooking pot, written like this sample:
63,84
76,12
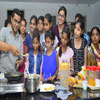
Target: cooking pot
14,77
32,83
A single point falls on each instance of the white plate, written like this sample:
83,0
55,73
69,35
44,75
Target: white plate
47,87
94,87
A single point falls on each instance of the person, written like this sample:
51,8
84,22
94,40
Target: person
57,29
35,57
47,27
50,64
40,25
66,53
85,36
7,22
94,53
23,33
79,46
11,45
28,39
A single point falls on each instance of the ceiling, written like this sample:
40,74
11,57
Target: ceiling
56,1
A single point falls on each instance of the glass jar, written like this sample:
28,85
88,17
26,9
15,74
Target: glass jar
92,75
87,74
97,77
64,74
98,63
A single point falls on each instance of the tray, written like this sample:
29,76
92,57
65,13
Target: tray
93,87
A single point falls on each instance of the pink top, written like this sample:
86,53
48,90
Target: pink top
66,56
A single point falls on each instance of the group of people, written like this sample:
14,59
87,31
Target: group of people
47,46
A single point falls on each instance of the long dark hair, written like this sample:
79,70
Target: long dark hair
65,12
49,18
81,26
50,34
66,30
94,28
23,19
35,18
36,35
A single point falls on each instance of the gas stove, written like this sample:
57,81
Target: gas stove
11,88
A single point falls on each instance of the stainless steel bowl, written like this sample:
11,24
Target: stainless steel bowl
32,83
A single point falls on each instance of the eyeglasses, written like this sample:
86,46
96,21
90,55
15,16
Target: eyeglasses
62,16
18,22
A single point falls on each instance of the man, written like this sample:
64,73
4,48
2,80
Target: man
11,45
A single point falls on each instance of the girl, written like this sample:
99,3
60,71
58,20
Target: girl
79,46
50,59
22,32
35,57
28,39
94,53
65,52
57,29
40,25
47,27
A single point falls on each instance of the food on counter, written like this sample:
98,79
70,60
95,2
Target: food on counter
75,82
26,55
50,88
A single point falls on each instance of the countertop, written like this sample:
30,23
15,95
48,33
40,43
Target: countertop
77,94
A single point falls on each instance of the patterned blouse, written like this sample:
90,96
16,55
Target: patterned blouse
78,55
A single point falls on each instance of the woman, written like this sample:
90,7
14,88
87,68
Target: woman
57,29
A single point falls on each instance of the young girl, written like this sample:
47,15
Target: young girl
28,39
79,46
64,51
35,57
94,53
40,25
50,59
47,27
23,33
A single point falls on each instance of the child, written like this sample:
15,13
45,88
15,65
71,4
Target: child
94,53
85,36
79,46
47,27
64,51
23,33
28,39
40,25
50,60
35,57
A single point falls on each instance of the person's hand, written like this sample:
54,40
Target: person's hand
42,78
71,72
51,78
15,51
18,63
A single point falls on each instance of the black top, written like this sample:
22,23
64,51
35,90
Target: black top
78,55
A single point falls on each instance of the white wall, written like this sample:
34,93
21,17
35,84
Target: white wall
41,9
97,14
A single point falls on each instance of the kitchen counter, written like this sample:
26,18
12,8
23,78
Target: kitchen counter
77,94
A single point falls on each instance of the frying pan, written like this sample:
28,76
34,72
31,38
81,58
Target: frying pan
14,76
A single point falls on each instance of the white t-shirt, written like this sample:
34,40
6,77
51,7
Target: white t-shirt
35,57
66,56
